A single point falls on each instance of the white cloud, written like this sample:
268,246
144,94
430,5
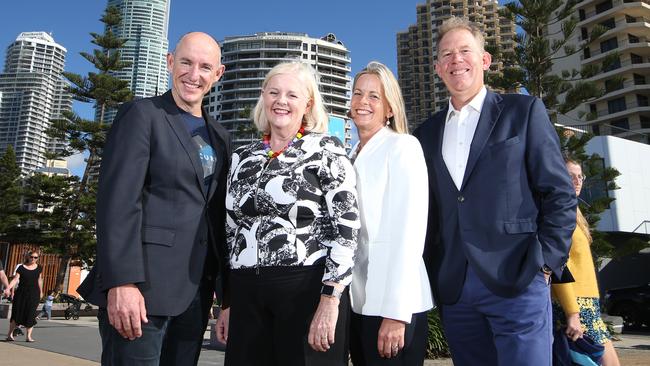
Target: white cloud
77,163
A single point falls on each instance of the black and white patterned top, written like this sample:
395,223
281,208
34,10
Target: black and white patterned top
295,209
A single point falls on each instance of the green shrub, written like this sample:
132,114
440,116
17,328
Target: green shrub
436,343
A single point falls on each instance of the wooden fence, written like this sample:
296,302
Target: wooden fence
49,262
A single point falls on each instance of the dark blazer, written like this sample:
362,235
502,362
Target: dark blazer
516,209
157,226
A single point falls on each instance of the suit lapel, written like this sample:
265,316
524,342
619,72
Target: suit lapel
219,146
489,116
178,126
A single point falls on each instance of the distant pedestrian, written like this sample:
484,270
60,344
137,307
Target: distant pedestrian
47,307
576,304
4,282
26,297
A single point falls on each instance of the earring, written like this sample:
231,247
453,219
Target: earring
388,121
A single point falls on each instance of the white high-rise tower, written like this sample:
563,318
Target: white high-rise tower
32,93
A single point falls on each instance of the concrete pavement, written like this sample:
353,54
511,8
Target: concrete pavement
62,342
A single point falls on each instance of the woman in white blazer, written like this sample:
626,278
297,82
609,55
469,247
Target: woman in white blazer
390,289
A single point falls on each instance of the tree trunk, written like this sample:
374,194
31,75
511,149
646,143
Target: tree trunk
60,275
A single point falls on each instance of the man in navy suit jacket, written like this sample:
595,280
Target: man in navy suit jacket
502,211
161,217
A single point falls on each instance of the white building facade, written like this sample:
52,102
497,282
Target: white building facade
32,93
248,59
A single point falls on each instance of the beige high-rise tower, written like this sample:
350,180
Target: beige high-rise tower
622,54
424,92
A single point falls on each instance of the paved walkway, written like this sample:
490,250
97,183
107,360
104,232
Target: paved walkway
62,342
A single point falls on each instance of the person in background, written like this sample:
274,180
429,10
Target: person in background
501,214
390,290
4,282
292,223
47,306
576,304
26,297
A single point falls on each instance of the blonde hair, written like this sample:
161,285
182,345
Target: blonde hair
455,22
392,93
583,225
315,119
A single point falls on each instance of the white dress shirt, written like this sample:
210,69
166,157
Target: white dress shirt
389,278
459,133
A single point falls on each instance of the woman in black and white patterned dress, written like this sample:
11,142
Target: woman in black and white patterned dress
292,224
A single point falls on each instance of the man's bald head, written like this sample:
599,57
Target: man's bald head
195,66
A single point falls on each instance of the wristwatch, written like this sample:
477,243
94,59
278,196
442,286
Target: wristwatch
546,269
331,291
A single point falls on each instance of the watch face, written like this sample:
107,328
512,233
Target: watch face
327,290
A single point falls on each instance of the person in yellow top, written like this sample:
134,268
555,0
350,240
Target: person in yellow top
579,304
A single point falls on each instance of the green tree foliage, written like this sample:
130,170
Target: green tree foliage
10,193
66,215
531,67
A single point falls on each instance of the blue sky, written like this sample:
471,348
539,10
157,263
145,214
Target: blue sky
368,28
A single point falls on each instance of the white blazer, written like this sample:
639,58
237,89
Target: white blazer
389,278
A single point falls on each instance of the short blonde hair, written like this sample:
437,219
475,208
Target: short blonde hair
455,22
316,119
392,93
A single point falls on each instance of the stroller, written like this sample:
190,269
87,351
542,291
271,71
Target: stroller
74,306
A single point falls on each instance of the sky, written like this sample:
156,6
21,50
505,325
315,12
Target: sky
367,28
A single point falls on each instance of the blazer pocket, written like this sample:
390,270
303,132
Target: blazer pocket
520,226
508,142
157,235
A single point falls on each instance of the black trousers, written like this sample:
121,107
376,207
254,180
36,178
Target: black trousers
271,309
165,340
363,341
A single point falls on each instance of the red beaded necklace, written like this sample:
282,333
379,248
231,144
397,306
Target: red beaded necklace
266,140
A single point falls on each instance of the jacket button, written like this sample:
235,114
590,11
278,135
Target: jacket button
461,199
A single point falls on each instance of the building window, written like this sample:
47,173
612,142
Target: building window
608,45
584,33
613,84
620,125
611,65
582,15
636,59
586,53
596,130
645,121
641,100
616,105
304,47
604,6
639,79
609,23
632,38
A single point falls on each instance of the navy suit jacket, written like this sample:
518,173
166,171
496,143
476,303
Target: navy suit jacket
157,225
516,208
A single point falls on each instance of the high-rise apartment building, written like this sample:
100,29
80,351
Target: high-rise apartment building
622,54
424,92
145,27
32,93
248,59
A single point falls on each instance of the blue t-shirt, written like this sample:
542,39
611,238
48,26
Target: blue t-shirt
198,129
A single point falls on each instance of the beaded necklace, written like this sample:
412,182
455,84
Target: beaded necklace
266,140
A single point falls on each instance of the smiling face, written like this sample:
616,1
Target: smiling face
369,108
194,66
461,63
285,103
